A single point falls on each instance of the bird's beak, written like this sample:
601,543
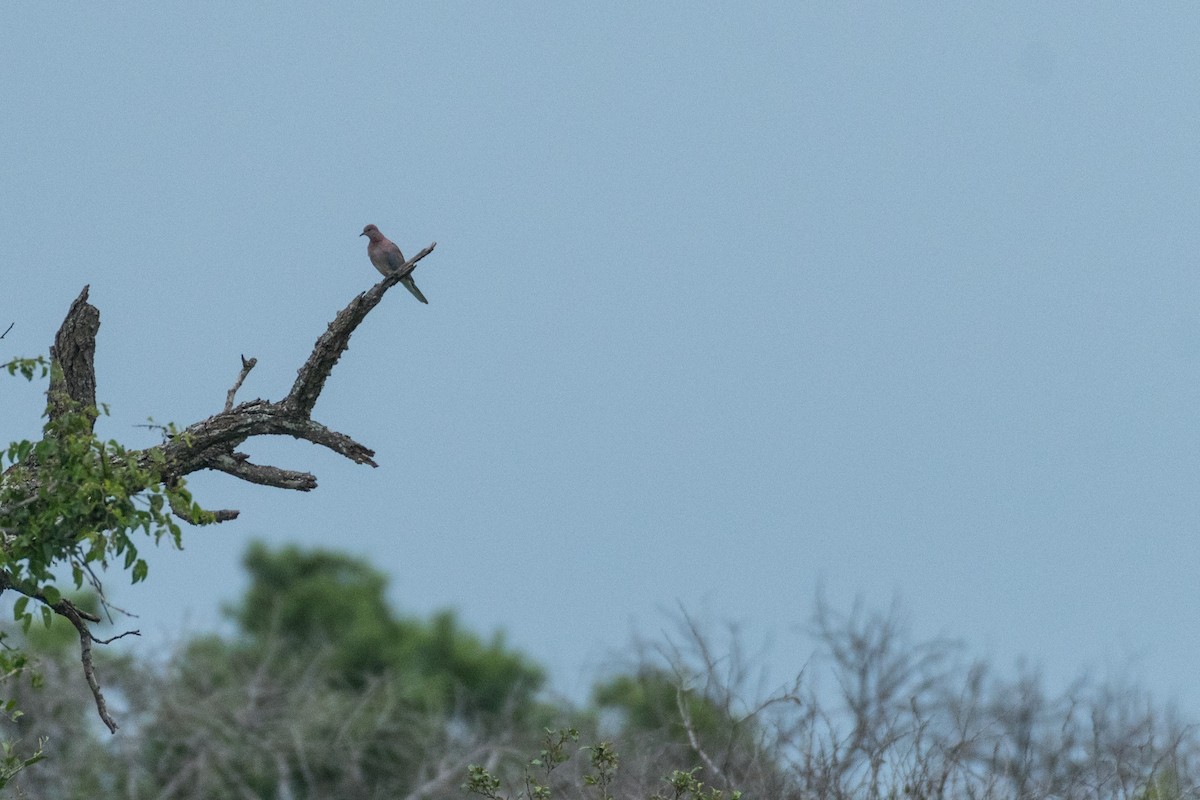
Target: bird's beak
364,233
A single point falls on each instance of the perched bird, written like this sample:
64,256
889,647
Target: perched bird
387,258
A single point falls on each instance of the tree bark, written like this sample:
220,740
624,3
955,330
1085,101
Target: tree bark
73,359
208,444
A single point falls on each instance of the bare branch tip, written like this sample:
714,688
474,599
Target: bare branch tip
247,365
114,638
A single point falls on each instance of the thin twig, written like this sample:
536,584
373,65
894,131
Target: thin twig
246,367
114,638
184,513
76,617
685,716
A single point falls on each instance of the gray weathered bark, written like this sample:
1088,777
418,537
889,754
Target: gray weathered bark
211,443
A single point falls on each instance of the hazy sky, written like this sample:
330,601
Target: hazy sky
730,301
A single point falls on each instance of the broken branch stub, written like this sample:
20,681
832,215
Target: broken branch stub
211,443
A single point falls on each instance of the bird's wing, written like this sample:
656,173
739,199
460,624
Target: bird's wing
395,259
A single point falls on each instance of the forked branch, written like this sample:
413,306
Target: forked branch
211,443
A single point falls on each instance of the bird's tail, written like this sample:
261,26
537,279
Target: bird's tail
411,285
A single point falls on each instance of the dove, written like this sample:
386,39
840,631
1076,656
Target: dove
387,258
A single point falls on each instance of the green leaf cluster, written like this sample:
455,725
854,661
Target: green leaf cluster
29,368
328,601
685,785
649,701
537,771
72,498
603,761
12,763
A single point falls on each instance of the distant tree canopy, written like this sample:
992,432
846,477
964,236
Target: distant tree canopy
319,600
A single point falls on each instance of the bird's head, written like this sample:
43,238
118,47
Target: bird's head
371,232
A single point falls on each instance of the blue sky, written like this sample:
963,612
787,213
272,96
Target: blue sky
730,301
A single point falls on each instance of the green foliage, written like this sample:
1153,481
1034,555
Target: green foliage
76,499
321,599
649,701
28,367
13,664
603,761
88,503
71,499
11,763
536,773
483,783
686,786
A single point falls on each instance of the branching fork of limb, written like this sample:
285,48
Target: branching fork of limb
211,443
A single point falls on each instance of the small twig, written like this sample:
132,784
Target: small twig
114,638
109,607
76,617
163,430
246,367
686,718
94,580
185,513
71,607
6,330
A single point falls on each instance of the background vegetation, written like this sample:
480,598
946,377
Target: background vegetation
324,690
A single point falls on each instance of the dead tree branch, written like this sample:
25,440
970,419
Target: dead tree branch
210,444
73,367
246,367
335,340
77,618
